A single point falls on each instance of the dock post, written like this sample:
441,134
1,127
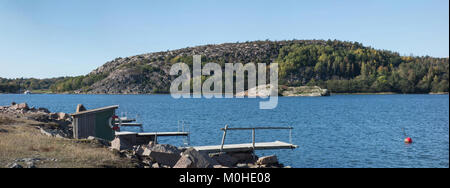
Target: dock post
290,136
223,137
253,137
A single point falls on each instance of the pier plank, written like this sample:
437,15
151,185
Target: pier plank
246,147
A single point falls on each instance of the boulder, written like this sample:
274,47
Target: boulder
31,165
120,144
155,165
142,151
184,162
100,141
224,159
63,116
54,133
220,166
304,91
161,153
22,106
267,160
47,132
194,159
80,108
163,148
45,110
53,116
40,116
14,165
243,157
242,165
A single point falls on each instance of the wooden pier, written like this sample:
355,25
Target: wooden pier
129,124
245,147
144,138
249,146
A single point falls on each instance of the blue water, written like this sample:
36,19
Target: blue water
336,131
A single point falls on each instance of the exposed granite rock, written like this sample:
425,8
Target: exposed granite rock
267,160
303,91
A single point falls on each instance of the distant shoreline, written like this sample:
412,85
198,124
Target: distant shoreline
390,93
380,93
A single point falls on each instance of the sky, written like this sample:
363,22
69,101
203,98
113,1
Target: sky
52,38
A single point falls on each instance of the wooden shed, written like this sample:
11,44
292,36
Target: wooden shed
95,122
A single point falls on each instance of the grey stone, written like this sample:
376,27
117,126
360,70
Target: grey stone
242,165
44,110
14,165
53,116
100,140
47,132
169,159
31,164
120,144
224,159
267,160
63,116
161,153
155,165
80,108
199,160
22,106
243,157
220,166
163,148
184,162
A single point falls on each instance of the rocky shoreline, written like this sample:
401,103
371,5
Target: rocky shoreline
151,155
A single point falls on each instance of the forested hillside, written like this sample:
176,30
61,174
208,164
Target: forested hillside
351,67
22,84
342,67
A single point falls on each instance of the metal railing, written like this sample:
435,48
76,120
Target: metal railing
253,129
183,128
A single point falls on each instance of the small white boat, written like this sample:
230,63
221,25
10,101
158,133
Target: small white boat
27,92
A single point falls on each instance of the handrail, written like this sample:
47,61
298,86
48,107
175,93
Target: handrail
253,129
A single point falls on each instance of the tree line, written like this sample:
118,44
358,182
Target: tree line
342,67
345,67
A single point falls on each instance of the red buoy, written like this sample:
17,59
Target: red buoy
408,140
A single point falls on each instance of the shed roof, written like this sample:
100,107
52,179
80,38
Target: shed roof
95,110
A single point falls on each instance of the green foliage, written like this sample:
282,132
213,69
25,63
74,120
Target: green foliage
342,67
21,84
75,83
345,67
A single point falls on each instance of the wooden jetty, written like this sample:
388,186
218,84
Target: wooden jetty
125,120
245,147
144,138
129,124
249,146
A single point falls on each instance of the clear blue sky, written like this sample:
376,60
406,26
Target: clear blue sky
49,38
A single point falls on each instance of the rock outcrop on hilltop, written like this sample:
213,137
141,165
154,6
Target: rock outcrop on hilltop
303,91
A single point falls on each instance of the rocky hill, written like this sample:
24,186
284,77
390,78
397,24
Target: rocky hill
334,65
149,73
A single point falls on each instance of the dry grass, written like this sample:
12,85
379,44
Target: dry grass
5,120
21,139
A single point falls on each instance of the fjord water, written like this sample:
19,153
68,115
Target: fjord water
335,131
